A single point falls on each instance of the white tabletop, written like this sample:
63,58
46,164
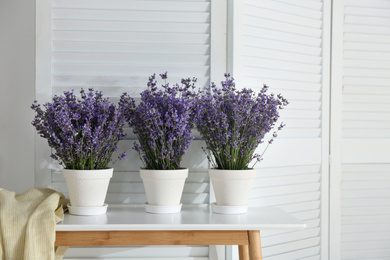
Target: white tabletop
190,218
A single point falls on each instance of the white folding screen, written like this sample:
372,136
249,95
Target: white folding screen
114,46
360,145
285,45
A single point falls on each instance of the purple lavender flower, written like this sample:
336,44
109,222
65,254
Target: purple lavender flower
83,133
234,122
162,122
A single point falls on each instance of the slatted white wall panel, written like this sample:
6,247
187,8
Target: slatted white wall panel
280,44
114,46
365,157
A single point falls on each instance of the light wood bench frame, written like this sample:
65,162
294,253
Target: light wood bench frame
248,241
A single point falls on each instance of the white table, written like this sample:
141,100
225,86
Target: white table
131,225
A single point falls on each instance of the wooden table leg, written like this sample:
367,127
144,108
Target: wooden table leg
243,252
254,245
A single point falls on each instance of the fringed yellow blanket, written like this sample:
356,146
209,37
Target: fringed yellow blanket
28,224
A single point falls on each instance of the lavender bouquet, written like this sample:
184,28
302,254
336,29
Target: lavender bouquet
162,122
234,122
82,132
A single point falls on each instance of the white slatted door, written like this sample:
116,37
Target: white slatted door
362,209
281,44
114,46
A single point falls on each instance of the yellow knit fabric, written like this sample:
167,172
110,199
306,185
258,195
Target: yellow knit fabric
28,223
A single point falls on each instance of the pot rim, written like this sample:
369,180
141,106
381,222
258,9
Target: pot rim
70,170
88,174
223,171
180,169
164,174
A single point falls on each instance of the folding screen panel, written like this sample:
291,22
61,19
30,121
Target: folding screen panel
360,202
284,44
114,46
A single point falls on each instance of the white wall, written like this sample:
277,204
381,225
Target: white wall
17,92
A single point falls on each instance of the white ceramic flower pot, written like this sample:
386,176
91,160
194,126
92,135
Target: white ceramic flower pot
164,189
231,189
87,188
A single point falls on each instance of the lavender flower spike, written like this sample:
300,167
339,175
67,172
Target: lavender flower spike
162,122
234,122
83,133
